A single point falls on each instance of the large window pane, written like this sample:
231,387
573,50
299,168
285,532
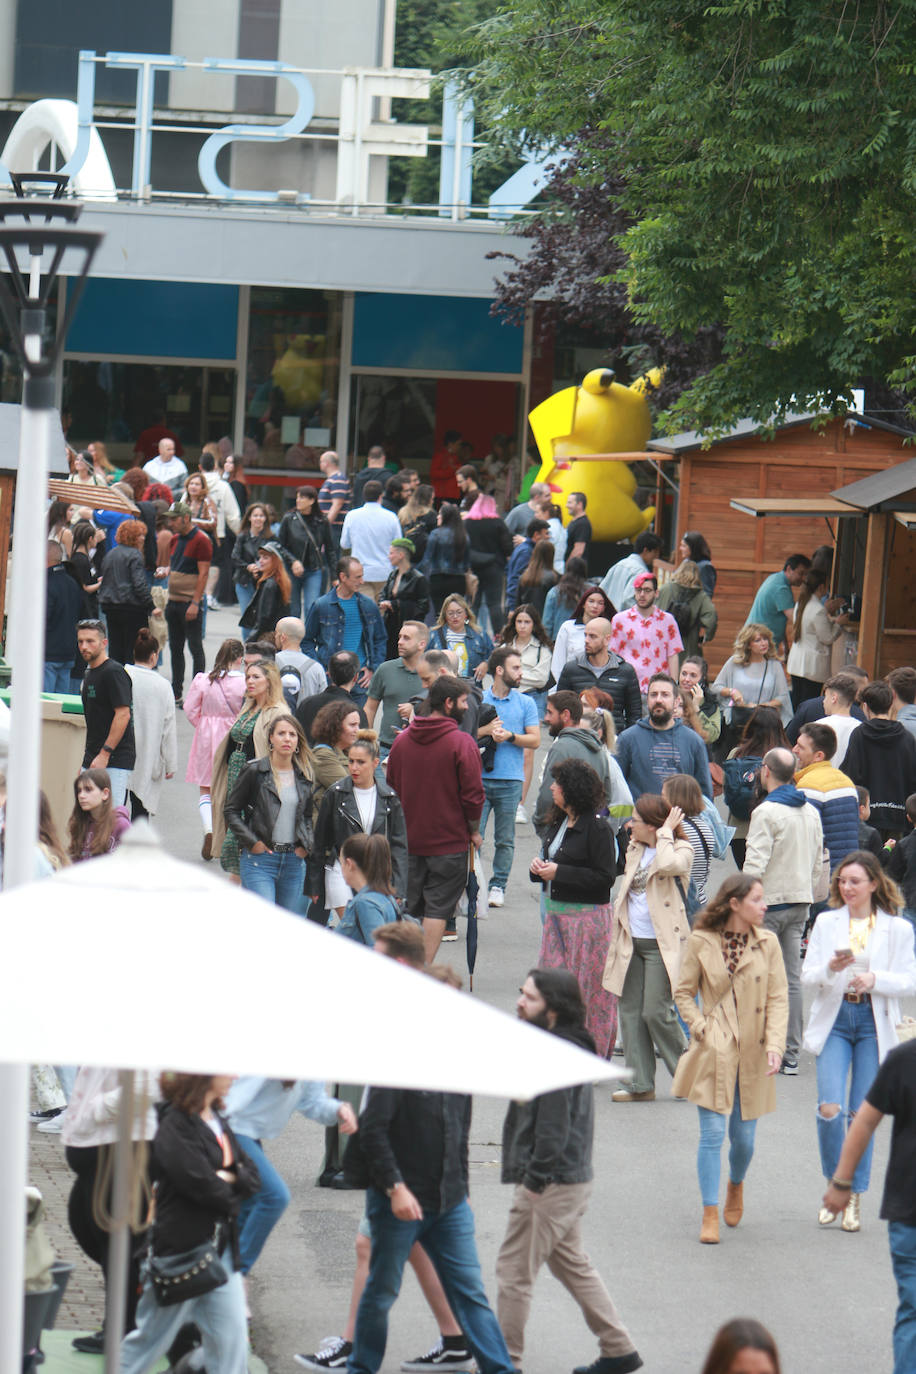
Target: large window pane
292,376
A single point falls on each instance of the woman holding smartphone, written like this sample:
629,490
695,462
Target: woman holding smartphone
860,959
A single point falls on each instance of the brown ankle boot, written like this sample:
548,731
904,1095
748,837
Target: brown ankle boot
709,1231
733,1210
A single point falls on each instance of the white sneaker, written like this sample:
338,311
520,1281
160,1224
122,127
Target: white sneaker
212,603
496,897
521,815
52,1127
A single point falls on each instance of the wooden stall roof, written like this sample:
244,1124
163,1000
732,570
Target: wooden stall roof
689,441
813,506
880,487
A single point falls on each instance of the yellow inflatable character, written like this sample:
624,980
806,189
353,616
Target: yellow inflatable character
600,416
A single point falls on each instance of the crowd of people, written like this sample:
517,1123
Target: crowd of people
396,671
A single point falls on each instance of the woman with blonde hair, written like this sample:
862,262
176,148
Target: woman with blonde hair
246,740
859,960
650,931
457,629
124,594
753,676
737,1039
418,518
684,598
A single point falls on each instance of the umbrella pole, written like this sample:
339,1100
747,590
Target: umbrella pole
119,1245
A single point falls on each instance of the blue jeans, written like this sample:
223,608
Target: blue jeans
852,1043
280,878
902,1240
448,1239
709,1153
502,798
303,591
539,699
57,675
245,597
258,1215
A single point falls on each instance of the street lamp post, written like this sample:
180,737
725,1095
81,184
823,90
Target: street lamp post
31,230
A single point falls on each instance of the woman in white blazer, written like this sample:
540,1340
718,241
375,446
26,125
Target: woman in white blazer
813,634
860,959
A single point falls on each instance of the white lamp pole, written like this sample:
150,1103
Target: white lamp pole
24,309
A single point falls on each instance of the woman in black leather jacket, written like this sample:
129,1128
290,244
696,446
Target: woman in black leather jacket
254,533
202,1177
269,810
271,598
405,595
343,811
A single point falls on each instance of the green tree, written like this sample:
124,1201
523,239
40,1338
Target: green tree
763,153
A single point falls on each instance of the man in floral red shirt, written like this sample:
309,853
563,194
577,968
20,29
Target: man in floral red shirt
645,636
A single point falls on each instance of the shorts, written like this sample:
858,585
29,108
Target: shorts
363,1227
435,883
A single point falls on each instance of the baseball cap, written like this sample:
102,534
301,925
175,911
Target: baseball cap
179,508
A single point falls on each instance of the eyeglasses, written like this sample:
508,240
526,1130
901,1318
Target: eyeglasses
91,625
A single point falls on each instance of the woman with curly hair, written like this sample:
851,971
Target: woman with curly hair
753,676
576,870
737,1039
334,729
124,595
457,629
859,960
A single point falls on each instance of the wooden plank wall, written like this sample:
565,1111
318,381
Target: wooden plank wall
798,462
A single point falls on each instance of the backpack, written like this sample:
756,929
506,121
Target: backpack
740,781
682,608
291,680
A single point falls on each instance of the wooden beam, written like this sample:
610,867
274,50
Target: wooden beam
871,626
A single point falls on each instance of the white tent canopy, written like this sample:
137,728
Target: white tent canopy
141,961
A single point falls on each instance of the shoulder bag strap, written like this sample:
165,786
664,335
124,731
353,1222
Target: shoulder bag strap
695,827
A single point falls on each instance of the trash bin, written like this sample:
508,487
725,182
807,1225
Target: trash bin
63,739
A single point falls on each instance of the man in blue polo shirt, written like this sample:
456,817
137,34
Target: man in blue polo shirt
515,729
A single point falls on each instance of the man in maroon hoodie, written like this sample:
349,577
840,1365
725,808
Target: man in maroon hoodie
435,770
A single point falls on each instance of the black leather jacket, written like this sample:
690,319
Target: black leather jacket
338,819
312,552
253,806
245,551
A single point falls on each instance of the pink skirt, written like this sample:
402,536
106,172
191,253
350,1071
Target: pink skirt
578,938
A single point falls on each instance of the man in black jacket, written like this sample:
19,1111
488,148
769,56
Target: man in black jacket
600,667
547,1154
416,1147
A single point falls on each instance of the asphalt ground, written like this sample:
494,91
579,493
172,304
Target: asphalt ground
828,1297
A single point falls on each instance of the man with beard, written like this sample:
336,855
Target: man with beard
435,769
547,1154
572,740
515,728
654,748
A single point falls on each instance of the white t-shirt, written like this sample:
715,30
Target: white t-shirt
641,927
367,532
843,727
366,801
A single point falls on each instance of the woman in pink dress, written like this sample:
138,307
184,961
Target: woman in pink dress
211,705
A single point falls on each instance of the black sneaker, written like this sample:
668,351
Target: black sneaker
90,1345
49,1115
789,1066
449,1352
612,1364
331,1354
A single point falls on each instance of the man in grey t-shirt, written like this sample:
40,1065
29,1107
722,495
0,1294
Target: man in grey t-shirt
395,682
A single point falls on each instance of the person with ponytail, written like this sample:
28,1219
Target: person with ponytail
269,810
96,827
365,861
153,710
212,704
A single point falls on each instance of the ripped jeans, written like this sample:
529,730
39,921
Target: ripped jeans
851,1044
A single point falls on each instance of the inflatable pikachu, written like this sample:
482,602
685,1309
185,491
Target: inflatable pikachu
600,416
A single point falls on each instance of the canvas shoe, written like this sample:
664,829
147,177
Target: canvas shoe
449,1352
333,1353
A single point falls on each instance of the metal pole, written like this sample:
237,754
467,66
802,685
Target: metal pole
27,632
119,1244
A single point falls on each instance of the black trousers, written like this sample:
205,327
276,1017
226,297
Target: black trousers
492,578
124,624
85,1162
183,631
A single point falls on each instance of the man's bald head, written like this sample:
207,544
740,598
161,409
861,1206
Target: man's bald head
781,765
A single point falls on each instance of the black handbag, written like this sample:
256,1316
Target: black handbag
176,1278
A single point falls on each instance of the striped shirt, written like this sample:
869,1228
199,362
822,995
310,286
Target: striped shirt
336,487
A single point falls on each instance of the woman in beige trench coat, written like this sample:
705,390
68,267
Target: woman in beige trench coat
650,931
737,1040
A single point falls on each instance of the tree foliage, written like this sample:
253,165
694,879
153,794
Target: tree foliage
762,155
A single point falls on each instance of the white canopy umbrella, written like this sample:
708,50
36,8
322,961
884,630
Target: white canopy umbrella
145,961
